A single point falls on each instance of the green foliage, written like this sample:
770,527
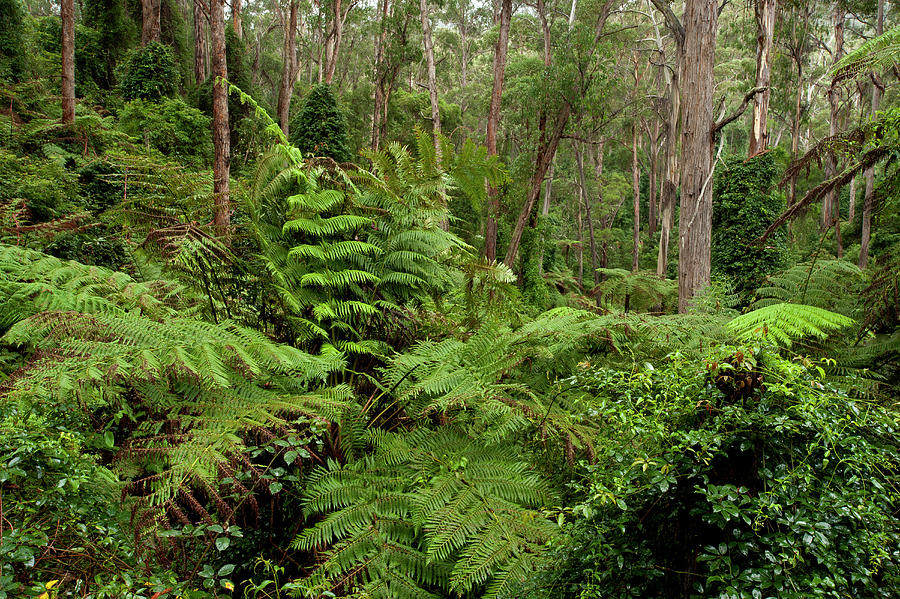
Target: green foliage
319,127
427,513
115,32
170,126
173,392
150,73
785,488
45,186
831,285
13,60
641,291
744,206
783,324
876,54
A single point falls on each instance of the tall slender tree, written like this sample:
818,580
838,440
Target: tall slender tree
201,44
765,34
67,50
289,60
150,21
869,198
221,132
428,42
697,126
493,121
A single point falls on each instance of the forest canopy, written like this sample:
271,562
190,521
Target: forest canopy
570,299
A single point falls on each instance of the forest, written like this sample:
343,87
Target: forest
460,299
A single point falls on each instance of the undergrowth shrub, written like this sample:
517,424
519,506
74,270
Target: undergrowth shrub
170,126
149,73
741,475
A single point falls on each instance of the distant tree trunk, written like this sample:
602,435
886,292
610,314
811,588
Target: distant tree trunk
432,75
545,211
765,30
67,50
579,161
150,10
493,120
869,198
236,21
673,93
463,28
335,36
838,15
636,187
221,133
546,152
289,64
580,242
201,46
851,214
653,141
387,68
697,84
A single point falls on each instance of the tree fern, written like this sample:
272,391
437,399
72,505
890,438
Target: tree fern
103,344
784,324
443,511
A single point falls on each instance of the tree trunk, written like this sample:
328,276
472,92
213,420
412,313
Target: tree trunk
201,46
463,27
652,216
500,49
869,198
289,64
67,51
545,154
670,181
236,19
765,30
695,227
579,161
432,75
335,37
221,133
838,15
636,188
580,242
150,10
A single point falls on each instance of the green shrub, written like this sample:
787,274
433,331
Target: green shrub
46,187
319,127
740,476
150,73
744,206
170,126
12,42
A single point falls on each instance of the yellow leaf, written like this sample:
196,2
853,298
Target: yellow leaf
228,585
44,596
51,584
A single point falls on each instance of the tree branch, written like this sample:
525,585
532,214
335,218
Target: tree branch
737,113
672,21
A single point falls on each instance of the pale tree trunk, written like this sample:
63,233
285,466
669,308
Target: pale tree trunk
289,64
697,84
580,242
67,51
797,51
549,138
838,15
765,30
546,152
236,21
851,214
221,133
652,216
673,93
335,36
636,188
201,46
579,161
869,198
150,21
493,120
463,27
432,75
545,211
